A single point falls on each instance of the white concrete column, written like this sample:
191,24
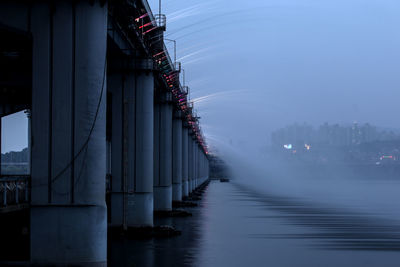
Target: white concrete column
200,166
190,162
177,156
197,164
115,86
129,142
195,161
205,167
205,173
185,160
68,211
141,203
194,158
123,144
163,179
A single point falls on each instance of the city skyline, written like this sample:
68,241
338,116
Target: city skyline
333,134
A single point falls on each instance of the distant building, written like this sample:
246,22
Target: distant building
330,135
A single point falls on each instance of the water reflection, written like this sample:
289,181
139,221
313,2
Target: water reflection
174,251
336,229
238,226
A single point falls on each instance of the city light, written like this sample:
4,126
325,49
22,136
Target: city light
288,146
386,157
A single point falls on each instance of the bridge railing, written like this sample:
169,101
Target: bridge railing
14,190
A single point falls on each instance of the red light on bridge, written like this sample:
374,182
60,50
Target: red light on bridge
141,17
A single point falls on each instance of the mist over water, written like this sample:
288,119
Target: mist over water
339,185
346,207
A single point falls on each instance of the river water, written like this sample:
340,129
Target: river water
235,225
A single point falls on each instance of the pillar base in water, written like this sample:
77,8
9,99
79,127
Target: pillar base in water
116,209
191,187
163,198
185,188
69,235
140,210
177,192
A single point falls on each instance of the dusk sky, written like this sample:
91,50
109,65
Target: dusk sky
266,64
14,132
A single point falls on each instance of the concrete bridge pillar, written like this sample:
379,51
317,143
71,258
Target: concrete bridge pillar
115,84
201,168
190,162
122,95
140,165
196,164
208,168
177,156
163,152
204,168
200,171
185,160
68,211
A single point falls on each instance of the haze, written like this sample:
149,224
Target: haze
271,63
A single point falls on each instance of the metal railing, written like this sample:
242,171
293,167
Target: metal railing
14,190
161,21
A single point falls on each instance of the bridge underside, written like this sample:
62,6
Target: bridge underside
111,135
15,70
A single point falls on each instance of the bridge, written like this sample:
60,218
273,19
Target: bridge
113,136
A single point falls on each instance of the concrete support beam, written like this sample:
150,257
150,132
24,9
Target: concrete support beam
129,146
163,179
115,85
200,164
185,160
190,163
204,161
141,204
123,98
195,164
68,211
177,156
205,167
201,167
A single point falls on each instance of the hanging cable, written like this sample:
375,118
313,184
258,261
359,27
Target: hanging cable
91,128
85,144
